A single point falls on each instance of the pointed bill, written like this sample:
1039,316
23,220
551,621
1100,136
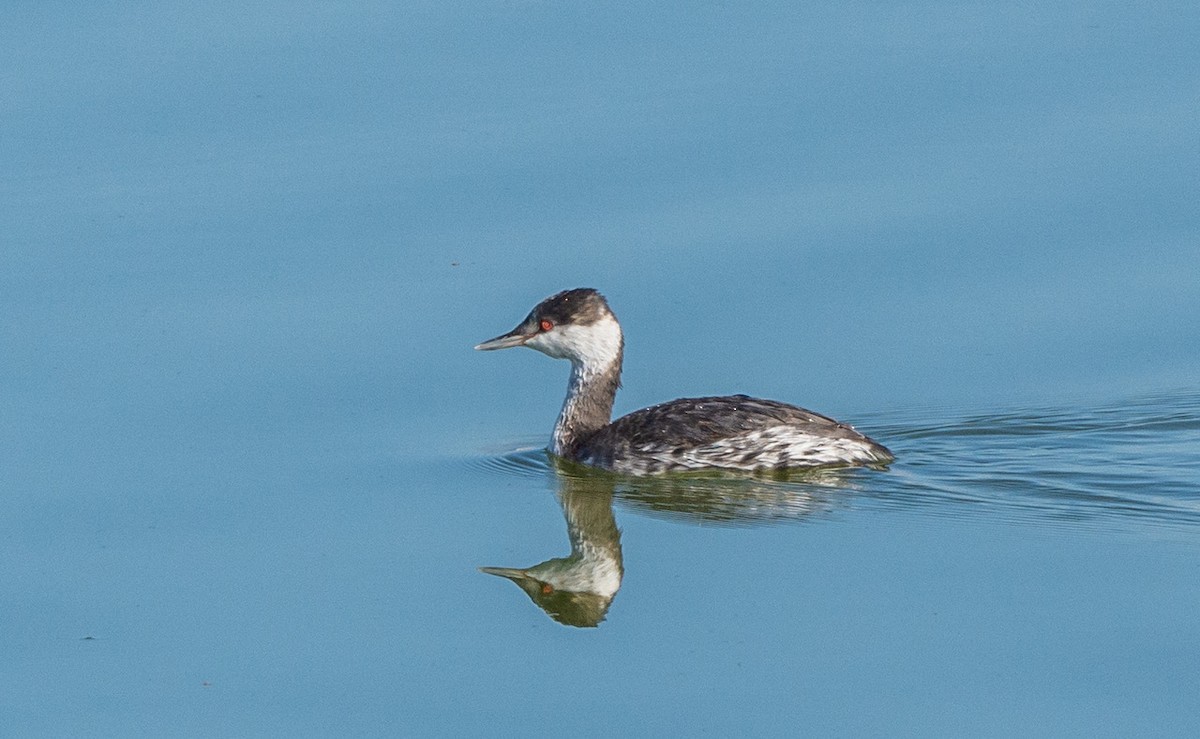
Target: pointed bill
508,572
505,341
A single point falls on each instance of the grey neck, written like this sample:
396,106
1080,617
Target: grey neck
588,407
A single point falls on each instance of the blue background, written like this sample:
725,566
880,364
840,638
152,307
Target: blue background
246,448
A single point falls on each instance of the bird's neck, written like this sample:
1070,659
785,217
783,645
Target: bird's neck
588,407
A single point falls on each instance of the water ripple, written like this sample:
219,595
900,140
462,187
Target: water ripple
523,461
1135,462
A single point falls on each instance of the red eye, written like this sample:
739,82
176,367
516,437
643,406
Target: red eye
546,324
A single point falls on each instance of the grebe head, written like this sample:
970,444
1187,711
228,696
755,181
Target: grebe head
574,324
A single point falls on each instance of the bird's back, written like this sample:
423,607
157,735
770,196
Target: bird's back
732,432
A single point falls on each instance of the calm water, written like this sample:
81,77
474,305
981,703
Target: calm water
250,466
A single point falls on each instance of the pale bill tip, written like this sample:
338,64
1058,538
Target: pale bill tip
502,342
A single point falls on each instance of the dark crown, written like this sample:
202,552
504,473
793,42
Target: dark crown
582,306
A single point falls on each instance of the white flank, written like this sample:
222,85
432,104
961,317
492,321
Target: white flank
771,448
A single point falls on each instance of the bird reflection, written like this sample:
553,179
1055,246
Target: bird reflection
578,589
737,499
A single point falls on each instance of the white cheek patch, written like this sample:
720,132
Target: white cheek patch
594,345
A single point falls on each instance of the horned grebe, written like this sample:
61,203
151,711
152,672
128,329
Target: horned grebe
730,432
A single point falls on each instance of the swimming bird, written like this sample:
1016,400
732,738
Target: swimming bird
733,432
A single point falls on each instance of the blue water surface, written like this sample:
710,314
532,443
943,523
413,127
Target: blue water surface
250,466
